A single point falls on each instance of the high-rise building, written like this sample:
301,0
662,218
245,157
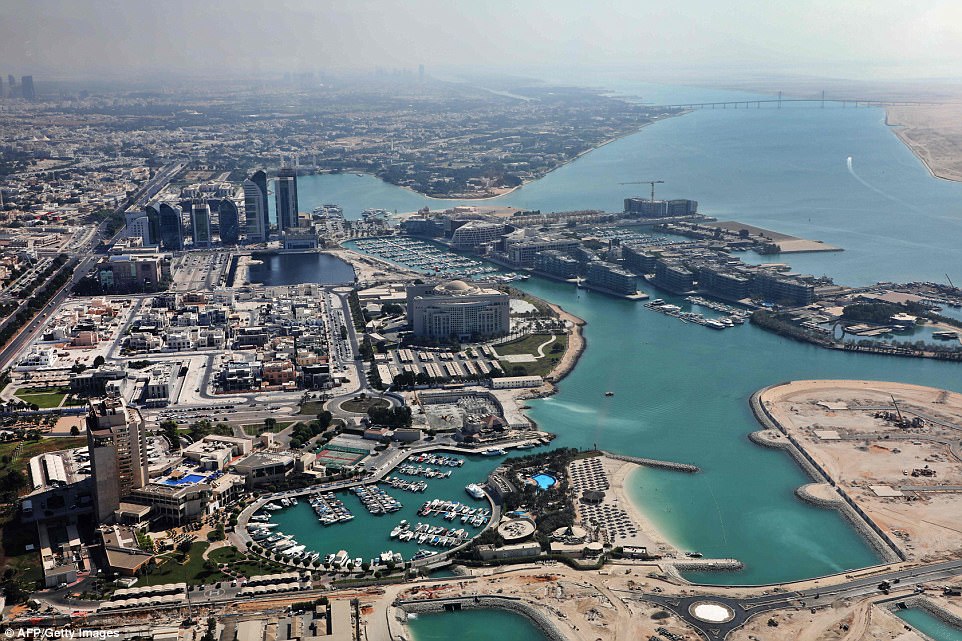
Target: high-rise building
259,178
229,220
138,226
117,444
200,223
153,223
26,88
285,199
171,225
2,95
11,85
255,210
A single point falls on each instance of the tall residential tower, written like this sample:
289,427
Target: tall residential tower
285,199
117,444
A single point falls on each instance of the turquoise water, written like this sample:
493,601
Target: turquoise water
930,625
369,535
681,394
544,481
785,169
475,625
681,390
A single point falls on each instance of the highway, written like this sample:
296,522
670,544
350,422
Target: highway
87,259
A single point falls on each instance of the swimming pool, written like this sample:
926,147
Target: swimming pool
187,479
544,481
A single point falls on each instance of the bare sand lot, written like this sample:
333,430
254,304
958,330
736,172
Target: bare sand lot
934,134
843,621
900,460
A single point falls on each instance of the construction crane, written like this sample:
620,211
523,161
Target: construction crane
646,182
951,284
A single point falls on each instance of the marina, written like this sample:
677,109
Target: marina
431,258
724,512
325,523
407,486
376,500
426,472
675,311
431,535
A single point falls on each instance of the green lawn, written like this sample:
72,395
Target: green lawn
255,429
44,400
192,572
362,405
525,345
312,408
237,562
529,345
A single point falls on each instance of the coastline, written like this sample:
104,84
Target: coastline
621,476
855,486
473,199
577,343
919,150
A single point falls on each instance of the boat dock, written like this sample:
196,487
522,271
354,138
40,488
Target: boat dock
737,317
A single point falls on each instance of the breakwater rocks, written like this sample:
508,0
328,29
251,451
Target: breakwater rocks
707,565
512,604
650,462
922,603
820,494
769,438
878,538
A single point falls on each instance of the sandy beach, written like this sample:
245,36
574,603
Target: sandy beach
620,473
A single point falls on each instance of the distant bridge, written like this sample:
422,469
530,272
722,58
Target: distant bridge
777,103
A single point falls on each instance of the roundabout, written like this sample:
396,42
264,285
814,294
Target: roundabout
711,612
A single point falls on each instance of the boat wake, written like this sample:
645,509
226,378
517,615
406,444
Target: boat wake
878,191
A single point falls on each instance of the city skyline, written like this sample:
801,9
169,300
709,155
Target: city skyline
896,39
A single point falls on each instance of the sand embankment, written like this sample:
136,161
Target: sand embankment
933,133
576,344
889,451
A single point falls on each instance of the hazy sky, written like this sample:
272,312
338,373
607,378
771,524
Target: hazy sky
853,38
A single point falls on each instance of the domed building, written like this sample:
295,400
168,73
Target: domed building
457,309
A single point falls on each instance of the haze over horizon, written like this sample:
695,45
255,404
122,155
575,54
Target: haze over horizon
896,39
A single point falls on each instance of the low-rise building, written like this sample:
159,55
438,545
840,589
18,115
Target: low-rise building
277,373
611,277
516,382
263,468
528,550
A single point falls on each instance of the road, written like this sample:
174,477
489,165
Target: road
745,609
87,259
28,332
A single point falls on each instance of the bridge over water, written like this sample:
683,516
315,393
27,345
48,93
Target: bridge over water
821,102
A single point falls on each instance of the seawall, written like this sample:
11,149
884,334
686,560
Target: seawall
484,602
863,523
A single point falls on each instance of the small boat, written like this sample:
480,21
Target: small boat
693,555
494,452
609,393
474,491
